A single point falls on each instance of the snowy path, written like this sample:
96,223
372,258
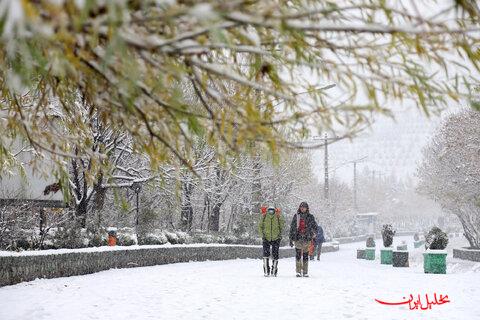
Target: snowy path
340,287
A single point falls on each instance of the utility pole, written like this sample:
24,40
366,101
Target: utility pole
326,187
355,183
355,204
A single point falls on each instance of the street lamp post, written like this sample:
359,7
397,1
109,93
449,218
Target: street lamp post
136,187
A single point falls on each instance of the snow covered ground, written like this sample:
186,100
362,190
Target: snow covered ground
340,287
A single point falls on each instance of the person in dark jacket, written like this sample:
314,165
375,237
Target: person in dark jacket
319,240
302,230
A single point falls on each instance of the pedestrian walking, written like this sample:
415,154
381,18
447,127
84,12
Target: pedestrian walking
303,229
270,228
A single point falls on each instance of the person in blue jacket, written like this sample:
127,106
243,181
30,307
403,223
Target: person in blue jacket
319,240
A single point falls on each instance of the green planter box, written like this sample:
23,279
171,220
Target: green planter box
418,244
400,258
386,256
360,253
370,253
435,261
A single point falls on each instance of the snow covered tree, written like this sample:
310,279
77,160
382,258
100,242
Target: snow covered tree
203,156
110,163
436,239
387,235
450,172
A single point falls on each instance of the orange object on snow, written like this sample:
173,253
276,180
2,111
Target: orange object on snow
112,241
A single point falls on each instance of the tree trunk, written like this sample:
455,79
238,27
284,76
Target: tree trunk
467,232
43,221
81,213
214,221
256,186
205,205
186,215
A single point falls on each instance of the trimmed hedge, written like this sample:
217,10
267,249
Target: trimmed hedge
18,268
467,254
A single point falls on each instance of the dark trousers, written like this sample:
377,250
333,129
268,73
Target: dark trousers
275,244
298,255
318,248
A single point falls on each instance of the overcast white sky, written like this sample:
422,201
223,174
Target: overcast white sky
391,147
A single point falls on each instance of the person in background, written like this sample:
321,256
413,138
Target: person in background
303,229
319,240
311,249
270,228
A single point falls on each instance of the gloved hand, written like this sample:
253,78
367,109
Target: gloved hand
291,243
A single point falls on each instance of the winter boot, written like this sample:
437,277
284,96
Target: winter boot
266,267
275,268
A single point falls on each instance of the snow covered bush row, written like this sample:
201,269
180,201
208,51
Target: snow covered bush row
58,238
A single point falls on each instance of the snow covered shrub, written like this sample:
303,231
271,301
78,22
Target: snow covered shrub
153,238
257,241
219,239
85,236
243,238
98,238
436,239
69,237
22,244
127,240
47,240
387,235
23,241
126,237
172,237
204,238
183,237
230,239
248,239
370,242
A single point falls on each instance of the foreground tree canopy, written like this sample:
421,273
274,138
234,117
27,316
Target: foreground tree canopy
242,75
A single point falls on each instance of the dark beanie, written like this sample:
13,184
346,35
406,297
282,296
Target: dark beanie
304,204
